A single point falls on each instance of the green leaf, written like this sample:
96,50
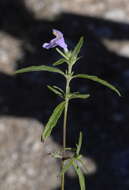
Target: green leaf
99,80
52,121
72,149
55,91
79,144
59,62
77,95
83,165
78,47
61,53
58,89
67,166
39,68
80,176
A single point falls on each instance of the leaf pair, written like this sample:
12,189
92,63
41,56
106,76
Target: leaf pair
58,91
56,70
70,57
73,162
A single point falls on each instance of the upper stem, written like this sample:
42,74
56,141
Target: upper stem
67,91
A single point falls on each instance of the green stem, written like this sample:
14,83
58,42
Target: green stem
64,124
65,119
62,178
64,140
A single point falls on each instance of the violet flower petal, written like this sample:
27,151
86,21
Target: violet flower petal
58,41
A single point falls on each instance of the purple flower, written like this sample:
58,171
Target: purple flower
58,41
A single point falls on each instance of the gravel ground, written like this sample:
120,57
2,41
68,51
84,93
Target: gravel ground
25,103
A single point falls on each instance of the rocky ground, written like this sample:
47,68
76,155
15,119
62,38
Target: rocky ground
25,103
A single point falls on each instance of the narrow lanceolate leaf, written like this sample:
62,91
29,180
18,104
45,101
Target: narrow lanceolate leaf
39,68
99,80
82,96
59,62
79,144
80,176
61,53
52,121
83,165
58,89
67,166
55,91
78,47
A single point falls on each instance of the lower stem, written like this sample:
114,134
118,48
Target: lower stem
64,141
62,179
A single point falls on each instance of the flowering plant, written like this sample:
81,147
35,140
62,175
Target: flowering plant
69,57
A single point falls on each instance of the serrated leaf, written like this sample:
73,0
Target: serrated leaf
79,144
67,166
78,47
80,176
52,121
39,68
77,95
99,80
54,90
59,62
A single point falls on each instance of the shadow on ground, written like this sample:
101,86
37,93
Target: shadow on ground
103,118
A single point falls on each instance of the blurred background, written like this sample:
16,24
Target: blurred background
26,103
